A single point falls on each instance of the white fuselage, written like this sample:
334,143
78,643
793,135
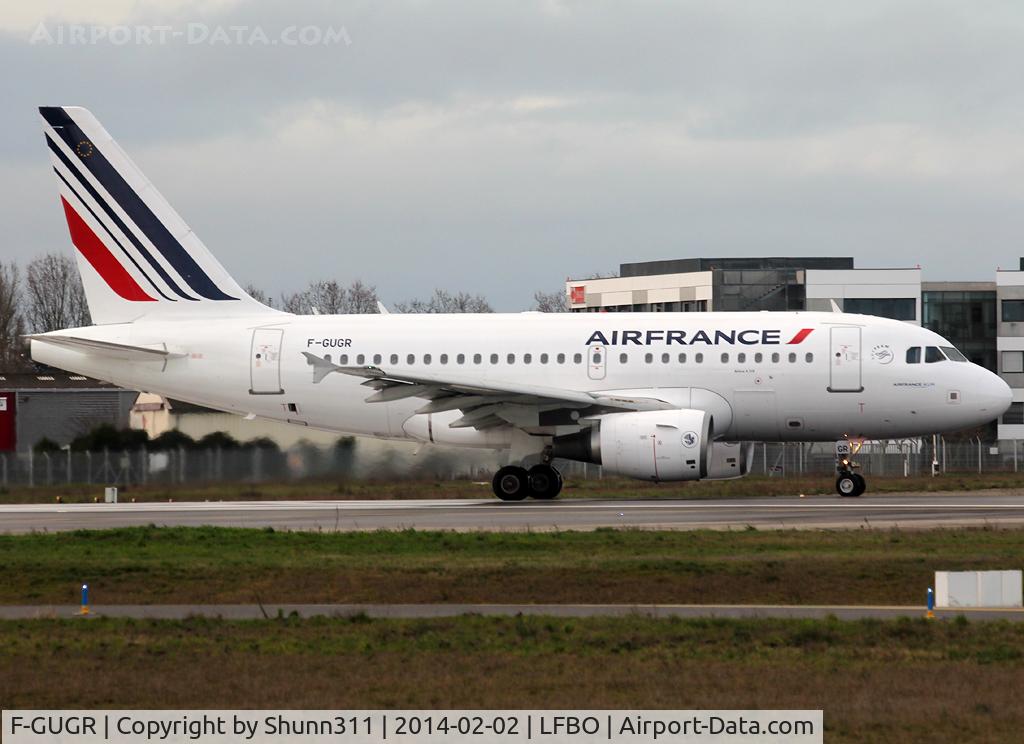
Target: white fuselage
766,376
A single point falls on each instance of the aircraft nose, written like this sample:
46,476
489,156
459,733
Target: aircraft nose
997,395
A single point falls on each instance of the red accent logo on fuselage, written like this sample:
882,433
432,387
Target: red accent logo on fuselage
800,336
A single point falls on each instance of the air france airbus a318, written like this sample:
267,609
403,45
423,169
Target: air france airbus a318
662,397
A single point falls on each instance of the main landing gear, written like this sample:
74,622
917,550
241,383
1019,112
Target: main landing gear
849,483
513,483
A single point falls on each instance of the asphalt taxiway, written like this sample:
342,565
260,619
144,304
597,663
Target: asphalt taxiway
926,510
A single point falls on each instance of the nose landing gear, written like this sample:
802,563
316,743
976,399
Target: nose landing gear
513,483
848,484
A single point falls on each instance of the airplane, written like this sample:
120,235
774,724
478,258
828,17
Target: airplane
651,396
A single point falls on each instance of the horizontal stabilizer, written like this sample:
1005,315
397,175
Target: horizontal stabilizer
108,348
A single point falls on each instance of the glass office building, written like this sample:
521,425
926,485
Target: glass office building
964,313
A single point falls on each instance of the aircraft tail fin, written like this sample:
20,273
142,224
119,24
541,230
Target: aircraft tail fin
137,256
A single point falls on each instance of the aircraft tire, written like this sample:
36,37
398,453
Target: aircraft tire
846,486
511,483
862,485
545,482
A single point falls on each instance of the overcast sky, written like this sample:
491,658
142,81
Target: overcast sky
497,147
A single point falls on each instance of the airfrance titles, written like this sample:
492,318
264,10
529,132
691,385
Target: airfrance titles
747,337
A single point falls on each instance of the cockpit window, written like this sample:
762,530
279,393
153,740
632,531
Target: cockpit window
953,354
914,355
932,354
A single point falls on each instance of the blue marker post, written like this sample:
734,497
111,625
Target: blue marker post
931,604
85,600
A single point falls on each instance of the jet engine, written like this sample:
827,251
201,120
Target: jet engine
730,460
650,445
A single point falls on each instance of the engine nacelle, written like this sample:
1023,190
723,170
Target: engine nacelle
730,460
651,445
434,428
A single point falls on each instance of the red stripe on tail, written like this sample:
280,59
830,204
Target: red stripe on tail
101,259
800,336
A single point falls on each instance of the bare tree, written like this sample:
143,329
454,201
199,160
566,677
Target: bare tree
443,301
328,297
258,294
361,298
12,324
550,302
296,303
54,293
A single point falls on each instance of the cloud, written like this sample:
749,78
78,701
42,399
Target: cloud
24,17
499,147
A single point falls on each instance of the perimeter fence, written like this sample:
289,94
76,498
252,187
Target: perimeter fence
909,457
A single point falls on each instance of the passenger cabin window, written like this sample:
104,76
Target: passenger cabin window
623,358
443,359
543,358
511,358
758,357
426,358
932,355
699,358
809,357
577,358
361,359
394,358
725,358
477,359
741,358
561,358
343,359
494,358
411,359
792,357
775,358
914,355
664,358
648,358
460,359
376,359
682,358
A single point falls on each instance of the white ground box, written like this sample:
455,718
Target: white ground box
978,589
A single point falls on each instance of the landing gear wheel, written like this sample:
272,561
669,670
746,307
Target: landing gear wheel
862,485
545,482
846,485
511,483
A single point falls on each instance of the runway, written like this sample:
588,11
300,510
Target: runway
414,611
903,510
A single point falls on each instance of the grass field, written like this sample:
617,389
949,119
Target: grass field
618,488
901,681
220,565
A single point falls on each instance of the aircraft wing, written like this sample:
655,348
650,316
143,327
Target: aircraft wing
486,403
